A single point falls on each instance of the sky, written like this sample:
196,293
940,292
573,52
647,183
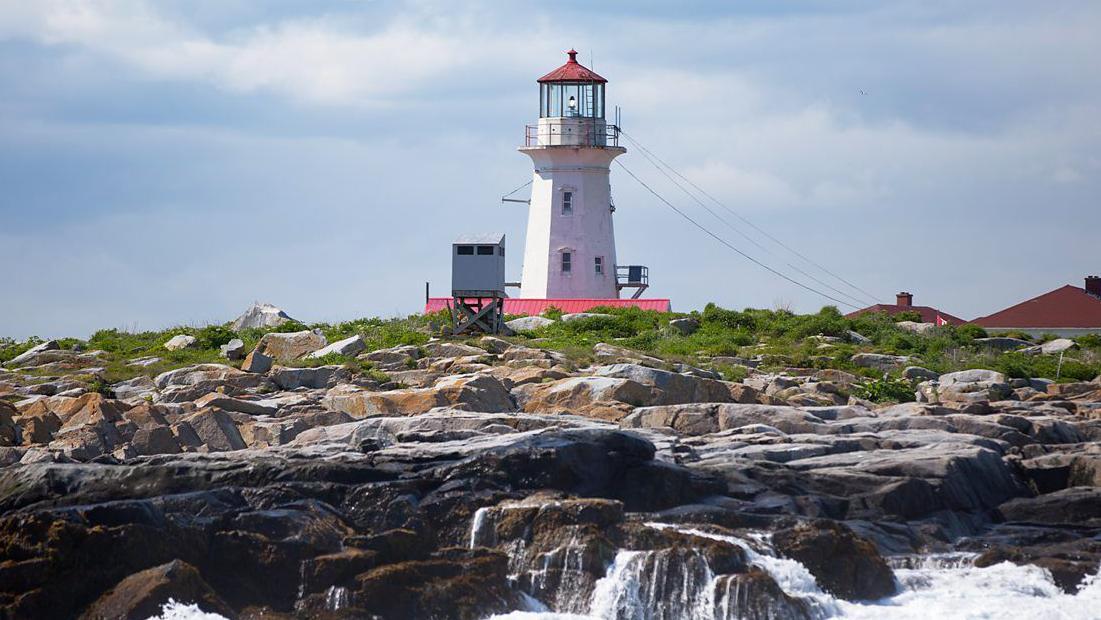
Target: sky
168,163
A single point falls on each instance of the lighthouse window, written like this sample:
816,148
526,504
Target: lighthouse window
566,260
567,203
465,250
485,250
599,265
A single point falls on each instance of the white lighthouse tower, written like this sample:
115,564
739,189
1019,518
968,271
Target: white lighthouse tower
569,258
570,245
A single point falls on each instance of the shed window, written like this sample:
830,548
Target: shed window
501,250
567,203
599,263
485,250
465,250
567,259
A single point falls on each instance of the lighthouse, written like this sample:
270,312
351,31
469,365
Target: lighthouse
569,251
570,260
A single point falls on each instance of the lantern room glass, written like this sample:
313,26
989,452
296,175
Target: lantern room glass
582,99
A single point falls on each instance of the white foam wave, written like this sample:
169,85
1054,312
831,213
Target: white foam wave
179,611
943,587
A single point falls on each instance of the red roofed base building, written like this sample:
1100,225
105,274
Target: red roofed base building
567,306
1067,311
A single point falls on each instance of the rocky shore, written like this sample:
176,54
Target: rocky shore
481,478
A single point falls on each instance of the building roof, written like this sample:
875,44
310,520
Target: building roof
572,71
928,313
476,238
537,306
1066,307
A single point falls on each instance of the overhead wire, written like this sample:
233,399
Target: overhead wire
650,158
749,223
727,243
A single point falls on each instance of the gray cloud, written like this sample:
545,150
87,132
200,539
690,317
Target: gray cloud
170,163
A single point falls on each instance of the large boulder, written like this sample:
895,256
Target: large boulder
137,389
9,432
143,594
191,382
1001,343
291,346
349,347
1058,345
215,429
915,327
966,386
1073,506
881,362
394,358
528,323
260,316
580,316
181,341
233,350
675,387
685,326
29,354
313,378
599,397
467,392
917,373
257,363
843,564
466,584
228,403
703,419
38,424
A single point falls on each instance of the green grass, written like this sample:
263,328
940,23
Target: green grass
781,338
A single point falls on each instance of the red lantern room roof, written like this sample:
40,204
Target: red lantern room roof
572,71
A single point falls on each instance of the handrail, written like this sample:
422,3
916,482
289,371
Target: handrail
591,134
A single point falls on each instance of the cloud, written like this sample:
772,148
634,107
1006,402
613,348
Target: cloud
172,161
310,59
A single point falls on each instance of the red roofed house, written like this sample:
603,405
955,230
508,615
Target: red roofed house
1066,311
904,302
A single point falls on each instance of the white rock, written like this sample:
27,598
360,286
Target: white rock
234,349
260,316
577,316
1058,346
528,323
879,361
349,346
914,327
50,345
182,341
289,346
857,338
975,375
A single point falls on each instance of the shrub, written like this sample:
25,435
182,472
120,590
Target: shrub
289,327
908,315
970,331
214,336
1089,341
885,389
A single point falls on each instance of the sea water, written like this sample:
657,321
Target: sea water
935,588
